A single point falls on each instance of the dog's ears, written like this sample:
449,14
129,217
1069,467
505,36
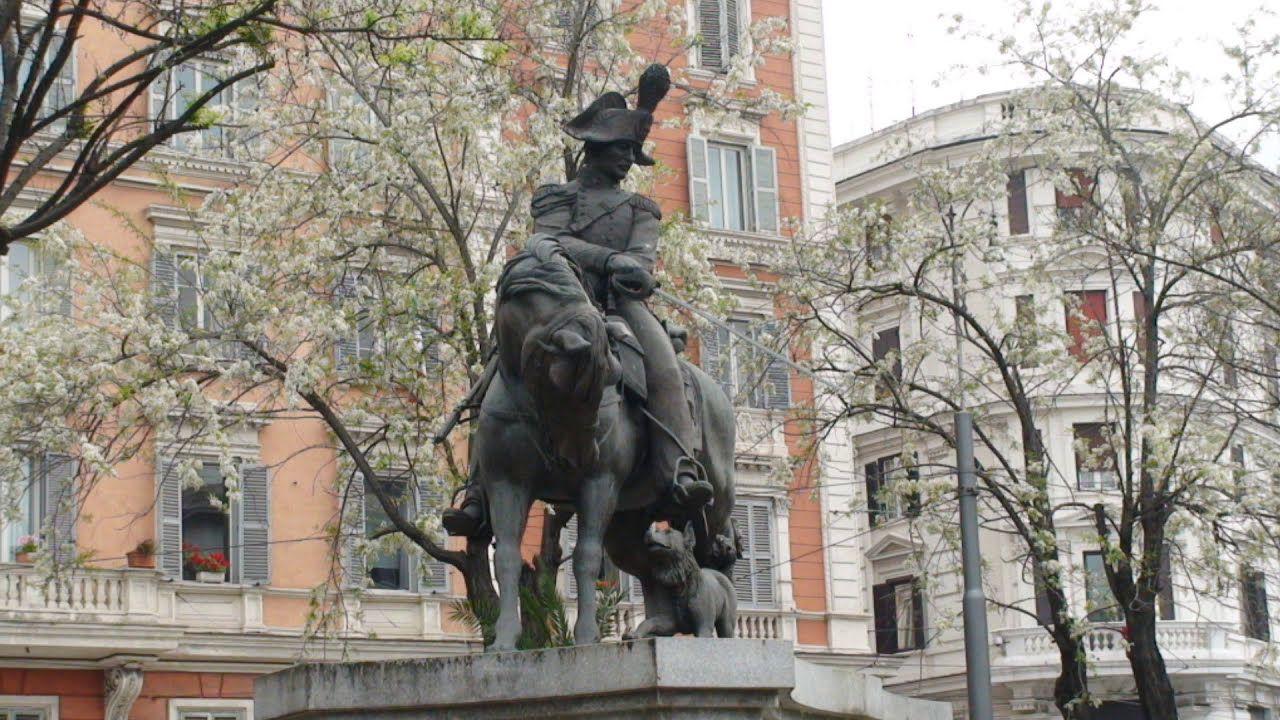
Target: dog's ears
690,537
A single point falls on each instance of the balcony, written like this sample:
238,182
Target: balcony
760,434
1191,642
752,623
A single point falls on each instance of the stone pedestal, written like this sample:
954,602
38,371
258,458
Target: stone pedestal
659,678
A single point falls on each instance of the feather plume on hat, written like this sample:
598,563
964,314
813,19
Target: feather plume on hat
608,119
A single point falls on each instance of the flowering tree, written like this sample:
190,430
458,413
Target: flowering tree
81,114
1159,259
349,277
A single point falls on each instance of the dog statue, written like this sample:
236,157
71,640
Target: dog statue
704,600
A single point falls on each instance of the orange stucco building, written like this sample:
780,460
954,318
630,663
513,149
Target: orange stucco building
155,644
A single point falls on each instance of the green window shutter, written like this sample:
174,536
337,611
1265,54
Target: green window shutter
255,521
431,575
348,345
169,517
716,359
568,542
777,378
753,574
58,475
164,281
764,162
699,189
353,530
731,33
711,29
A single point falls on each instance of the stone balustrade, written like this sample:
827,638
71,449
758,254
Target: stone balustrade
1188,640
756,624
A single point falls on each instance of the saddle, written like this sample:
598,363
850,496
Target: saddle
626,347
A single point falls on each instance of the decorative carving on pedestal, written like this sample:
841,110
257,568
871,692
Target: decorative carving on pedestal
122,685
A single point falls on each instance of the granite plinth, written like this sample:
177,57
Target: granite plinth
707,679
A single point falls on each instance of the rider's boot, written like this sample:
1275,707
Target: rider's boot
467,520
689,489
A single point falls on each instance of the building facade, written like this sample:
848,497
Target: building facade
1215,638
172,642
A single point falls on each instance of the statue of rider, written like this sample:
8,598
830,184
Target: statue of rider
612,234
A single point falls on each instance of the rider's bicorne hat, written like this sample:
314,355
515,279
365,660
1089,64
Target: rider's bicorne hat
609,120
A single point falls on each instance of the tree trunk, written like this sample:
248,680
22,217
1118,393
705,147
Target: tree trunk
1071,690
1155,690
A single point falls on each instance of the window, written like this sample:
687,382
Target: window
1086,317
46,508
399,567
753,573
884,501
1259,713
365,341
719,28
62,92
1140,321
749,377
179,284
887,346
1016,190
1100,604
876,242
210,709
1074,206
49,283
733,186
1254,618
1095,458
1022,343
899,616
202,516
174,93
28,707
608,571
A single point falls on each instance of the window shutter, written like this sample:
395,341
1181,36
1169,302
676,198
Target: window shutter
635,593
762,554
255,521
569,541
731,33
917,613
764,165
711,30
886,618
60,507
157,96
715,359
349,344
353,530
753,575
699,188
169,515
164,280
778,379
1019,222
434,575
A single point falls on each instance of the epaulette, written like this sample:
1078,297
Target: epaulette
641,202
552,197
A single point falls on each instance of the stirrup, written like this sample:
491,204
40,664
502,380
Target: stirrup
695,491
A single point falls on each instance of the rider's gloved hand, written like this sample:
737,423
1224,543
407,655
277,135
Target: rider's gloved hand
629,277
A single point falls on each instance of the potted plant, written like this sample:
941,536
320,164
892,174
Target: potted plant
144,555
27,546
209,567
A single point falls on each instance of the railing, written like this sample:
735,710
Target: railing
751,623
1106,642
99,592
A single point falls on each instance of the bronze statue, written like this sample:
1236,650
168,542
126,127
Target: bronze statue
612,235
703,600
556,423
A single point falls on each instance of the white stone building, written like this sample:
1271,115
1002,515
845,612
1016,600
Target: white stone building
1218,653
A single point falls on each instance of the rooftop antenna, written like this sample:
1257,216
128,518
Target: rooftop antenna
871,109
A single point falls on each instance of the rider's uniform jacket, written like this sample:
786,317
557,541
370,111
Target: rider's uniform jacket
595,221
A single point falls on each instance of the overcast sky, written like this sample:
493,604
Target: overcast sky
889,58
